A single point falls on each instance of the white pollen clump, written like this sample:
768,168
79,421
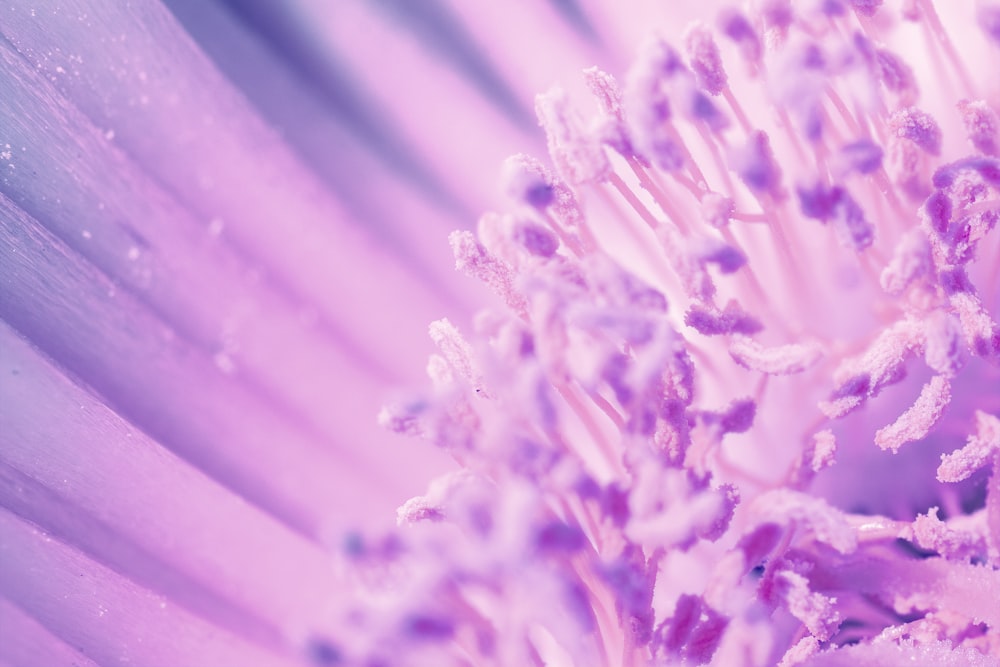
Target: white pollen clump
918,420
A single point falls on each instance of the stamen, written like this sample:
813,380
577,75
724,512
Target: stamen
705,60
977,452
577,158
917,126
917,421
981,125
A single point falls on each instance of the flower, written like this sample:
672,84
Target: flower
746,359
744,328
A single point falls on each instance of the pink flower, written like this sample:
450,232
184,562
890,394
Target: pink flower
735,403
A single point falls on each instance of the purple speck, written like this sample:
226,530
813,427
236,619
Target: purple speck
739,416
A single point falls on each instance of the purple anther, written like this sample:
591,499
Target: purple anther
865,48
759,543
735,25
527,181
706,637
717,209
917,126
777,13
981,126
896,75
704,321
726,257
851,223
687,613
587,488
866,7
703,108
944,177
833,7
614,373
857,385
429,628
987,167
732,319
536,239
863,156
730,498
558,536
937,210
614,504
648,107
539,196
954,280
323,653
988,17
757,166
817,201
632,584
835,203
705,60
811,57
739,416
